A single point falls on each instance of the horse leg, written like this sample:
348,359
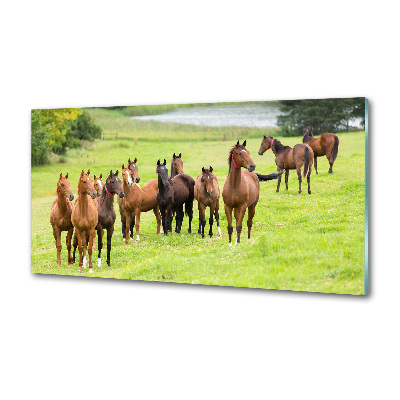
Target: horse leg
228,212
132,224
164,219
217,217
239,215
287,179
80,240
330,167
189,209
128,216
123,220
250,216
279,181
92,235
85,243
57,237
202,218
179,219
99,245
211,220
75,244
69,238
299,176
110,231
156,212
315,164
137,224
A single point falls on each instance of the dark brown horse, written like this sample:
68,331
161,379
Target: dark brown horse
138,200
287,158
106,213
60,216
84,217
176,165
327,144
173,194
206,192
241,190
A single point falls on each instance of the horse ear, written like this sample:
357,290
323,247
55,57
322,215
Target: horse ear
129,160
265,137
211,168
165,162
135,160
174,156
237,144
82,173
202,170
111,172
158,162
123,166
88,172
101,175
244,144
60,175
66,176
116,173
180,155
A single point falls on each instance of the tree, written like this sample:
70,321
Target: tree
83,128
322,115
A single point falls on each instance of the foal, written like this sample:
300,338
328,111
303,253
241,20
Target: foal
138,200
176,165
98,184
287,158
327,144
84,217
241,190
60,216
206,192
106,212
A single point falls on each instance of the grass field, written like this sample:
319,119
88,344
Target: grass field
309,242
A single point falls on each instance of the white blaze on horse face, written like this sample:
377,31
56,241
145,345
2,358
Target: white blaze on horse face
244,150
129,179
99,182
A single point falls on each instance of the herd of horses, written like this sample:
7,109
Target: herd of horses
172,195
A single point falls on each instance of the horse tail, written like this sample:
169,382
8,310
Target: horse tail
189,202
306,161
335,150
274,175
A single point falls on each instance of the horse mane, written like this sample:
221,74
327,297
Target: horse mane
230,156
279,147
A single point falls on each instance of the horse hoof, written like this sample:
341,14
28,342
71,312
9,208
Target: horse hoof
230,244
219,231
161,230
99,262
91,270
309,192
80,270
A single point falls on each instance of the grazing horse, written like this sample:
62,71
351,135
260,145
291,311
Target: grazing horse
206,192
60,216
176,165
287,158
138,200
134,169
106,212
85,217
98,184
241,190
173,194
327,144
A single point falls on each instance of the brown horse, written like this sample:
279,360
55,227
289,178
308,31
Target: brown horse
106,212
85,217
327,144
60,216
173,194
138,200
98,184
287,158
241,190
206,192
176,165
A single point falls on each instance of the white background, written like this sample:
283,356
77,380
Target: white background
69,338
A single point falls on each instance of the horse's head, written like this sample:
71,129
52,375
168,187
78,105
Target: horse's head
114,185
98,184
85,185
266,144
64,187
134,170
241,157
176,164
207,178
162,172
308,135
127,175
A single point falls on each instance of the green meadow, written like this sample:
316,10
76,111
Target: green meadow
304,243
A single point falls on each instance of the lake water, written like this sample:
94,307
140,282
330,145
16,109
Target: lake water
253,115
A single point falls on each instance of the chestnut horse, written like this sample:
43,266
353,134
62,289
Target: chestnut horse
138,200
206,192
106,212
241,190
98,184
60,216
173,194
85,217
287,158
327,144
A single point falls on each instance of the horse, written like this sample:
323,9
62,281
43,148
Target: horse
176,165
327,144
132,166
206,192
138,200
85,217
106,212
98,184
287,158
241,190
173,194
60,216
